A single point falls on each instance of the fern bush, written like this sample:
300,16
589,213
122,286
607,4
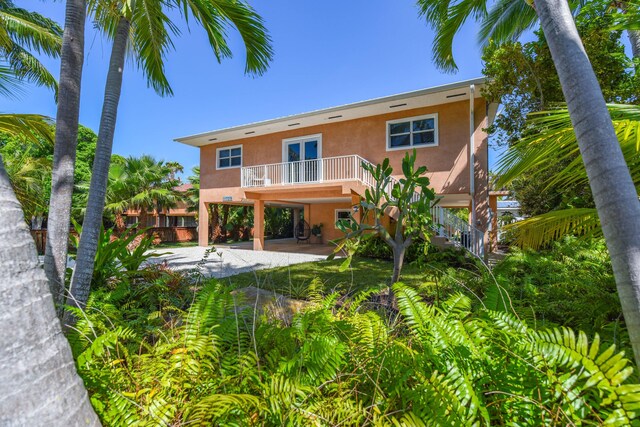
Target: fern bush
570,285
340,364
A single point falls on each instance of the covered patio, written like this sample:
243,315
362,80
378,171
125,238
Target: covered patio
285,246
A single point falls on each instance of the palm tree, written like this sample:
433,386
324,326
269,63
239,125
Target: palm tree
64,152
22,31
142,184
36,364
192,195
613,190
145,25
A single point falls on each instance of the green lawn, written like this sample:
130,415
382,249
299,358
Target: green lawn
365,273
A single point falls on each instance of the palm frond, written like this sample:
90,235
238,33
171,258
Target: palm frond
540,230
151,41
28,67
556,140
217,16
446,18
255,36
10,84
32,30
506,21
27,176
31,126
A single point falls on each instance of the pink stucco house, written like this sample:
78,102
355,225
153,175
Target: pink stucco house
311,162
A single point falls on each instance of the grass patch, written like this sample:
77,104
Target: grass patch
294,280
176,245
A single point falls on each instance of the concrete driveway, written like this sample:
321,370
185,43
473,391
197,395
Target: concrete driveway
230,260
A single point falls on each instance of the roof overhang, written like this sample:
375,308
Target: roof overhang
448,93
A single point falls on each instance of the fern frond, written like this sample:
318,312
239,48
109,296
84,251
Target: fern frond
212,408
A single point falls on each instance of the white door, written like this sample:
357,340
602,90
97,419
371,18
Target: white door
303,160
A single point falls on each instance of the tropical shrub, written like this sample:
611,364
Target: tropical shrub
118,256
375,247
440,364
571,285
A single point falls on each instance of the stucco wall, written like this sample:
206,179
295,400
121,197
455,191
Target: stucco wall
447,163
324,213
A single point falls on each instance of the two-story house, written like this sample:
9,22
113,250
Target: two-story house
311,162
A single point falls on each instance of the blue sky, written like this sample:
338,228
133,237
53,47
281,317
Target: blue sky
326,53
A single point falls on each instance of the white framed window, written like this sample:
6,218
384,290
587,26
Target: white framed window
412,132
342,214
229,157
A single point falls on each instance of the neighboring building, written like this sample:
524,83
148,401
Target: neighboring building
175,224
311,162
509,210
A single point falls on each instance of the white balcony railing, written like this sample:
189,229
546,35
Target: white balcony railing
349,168
457,230
328,169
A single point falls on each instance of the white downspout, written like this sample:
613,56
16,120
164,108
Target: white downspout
472,159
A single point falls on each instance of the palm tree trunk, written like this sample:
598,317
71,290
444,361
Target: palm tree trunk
38,381
634,39
214,222
83,272
634,35
64,152
225,220
613,191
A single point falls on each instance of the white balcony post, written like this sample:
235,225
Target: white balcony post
356,175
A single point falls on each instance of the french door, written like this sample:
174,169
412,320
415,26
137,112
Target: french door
303,160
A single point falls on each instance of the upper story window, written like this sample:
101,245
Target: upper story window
229,157
412,132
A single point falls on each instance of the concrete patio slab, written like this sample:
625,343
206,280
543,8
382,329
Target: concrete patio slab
238,258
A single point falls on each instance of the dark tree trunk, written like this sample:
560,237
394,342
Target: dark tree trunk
38,381
214,226
83,272
64,151
613,191
225,220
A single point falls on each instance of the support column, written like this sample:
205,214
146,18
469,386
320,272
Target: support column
479,163
258,225
203,223
307,214
493,233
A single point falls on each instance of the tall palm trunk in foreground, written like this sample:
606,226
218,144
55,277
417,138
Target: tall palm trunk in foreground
613,191
38,382
64,153
83,272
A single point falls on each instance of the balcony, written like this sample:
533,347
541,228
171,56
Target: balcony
324,170
349,168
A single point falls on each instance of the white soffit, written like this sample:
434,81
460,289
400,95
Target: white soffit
453,92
